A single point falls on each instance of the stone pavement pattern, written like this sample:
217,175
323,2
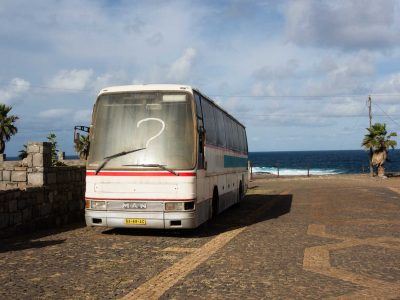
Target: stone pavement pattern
332,237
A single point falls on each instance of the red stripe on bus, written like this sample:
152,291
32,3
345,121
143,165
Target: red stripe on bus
137,199
119,173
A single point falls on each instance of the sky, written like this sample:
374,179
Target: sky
296,73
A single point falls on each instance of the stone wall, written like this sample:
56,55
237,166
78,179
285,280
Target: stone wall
35,169
37,195
13,174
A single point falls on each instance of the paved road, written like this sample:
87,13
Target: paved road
337,237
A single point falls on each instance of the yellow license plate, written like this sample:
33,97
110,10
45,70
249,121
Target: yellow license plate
135,221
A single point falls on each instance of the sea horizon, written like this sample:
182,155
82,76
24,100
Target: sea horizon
318,162
315,162
256,151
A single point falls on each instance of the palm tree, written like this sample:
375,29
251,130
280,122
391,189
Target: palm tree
82,146
7,127
379,141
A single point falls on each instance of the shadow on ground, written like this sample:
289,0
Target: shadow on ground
28,241
253,209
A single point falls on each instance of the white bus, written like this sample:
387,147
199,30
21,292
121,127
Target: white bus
162,156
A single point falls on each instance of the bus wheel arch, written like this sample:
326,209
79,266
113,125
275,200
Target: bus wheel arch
240,195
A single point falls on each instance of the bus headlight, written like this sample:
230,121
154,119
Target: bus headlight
169,206
98,205
179,206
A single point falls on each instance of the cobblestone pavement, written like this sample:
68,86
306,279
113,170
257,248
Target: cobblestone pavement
331,237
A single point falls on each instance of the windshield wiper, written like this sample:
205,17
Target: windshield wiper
108,158
155,166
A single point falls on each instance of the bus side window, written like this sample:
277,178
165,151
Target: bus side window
219,119
246,147
242,139
240,131
234,135
209,122
228,132
199,112
235,129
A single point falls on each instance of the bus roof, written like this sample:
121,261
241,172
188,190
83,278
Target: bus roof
146,87
162,87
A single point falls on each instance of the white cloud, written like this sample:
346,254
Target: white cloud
392,109
387,90
71,79
277,72
137,81
367,24
55,113
182,67
287,119
236,107
389,85
13,90
359,64
83,117
348,74
107,43
343,107
108,79
277,76
261,89
267,71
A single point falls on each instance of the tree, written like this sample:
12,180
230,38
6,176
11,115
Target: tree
23,153
52,138
82,146
380,141
7,126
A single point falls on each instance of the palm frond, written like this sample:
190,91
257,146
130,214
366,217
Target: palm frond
7,125
378,138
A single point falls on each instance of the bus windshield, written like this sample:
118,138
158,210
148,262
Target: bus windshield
161,123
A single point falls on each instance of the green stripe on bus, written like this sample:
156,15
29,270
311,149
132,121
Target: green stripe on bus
234,161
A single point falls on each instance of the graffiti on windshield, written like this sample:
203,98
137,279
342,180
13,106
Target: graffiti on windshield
158,133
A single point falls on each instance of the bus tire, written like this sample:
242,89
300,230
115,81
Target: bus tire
215,204
240,192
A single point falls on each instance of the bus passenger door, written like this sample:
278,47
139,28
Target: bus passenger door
201,133
201,184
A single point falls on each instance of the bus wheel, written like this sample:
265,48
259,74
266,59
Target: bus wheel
240,192
215,204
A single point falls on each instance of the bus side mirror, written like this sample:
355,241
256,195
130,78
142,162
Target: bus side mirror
76,133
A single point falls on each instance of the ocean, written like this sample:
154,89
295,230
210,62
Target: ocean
319,162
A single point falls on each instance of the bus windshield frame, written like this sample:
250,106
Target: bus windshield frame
161,122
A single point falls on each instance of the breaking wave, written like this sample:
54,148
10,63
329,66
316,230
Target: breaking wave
295,172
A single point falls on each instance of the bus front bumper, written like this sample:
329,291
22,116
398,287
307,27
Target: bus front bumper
160,220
